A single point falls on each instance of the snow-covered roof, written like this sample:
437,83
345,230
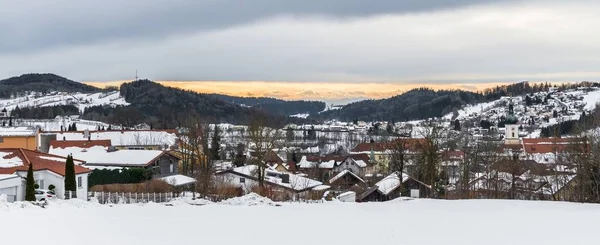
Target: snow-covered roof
390,183
9,162
309,164
178,180
297,183
98,155
125,138
8,176
342,173
17,131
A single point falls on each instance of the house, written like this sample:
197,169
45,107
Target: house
283,186
162,163
48,170
388,188
382,152
357,163
346,180
451,160
521,179
19,137
11,186
126,139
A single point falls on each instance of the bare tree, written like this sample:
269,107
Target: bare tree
428,163
263,140
193,152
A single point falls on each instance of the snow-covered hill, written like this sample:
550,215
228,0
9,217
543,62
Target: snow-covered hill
569,105
80,100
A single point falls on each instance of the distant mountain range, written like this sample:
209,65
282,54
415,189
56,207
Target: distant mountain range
153,103
169,107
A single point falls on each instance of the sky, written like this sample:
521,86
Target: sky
331,50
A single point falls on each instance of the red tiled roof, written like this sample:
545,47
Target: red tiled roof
453,155
79,143
271,157
551,145
40,160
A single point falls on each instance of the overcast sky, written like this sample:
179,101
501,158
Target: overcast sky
388,41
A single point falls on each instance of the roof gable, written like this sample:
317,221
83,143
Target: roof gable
40,161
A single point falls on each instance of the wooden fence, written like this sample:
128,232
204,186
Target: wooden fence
128,197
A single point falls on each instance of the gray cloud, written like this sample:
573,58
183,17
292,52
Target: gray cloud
312,40
41,24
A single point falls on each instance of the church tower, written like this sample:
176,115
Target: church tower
511,133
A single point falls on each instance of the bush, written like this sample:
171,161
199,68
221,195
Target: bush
119,176
36,186
223,192
51,187
158,186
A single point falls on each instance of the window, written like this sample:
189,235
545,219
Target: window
40,183
79,182
513,134
171,168
242,180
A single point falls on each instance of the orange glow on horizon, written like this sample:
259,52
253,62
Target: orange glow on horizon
306,90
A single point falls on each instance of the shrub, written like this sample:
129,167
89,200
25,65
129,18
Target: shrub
157,186
51,187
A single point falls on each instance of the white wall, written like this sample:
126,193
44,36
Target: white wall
82,191
235,180
11,188
51,178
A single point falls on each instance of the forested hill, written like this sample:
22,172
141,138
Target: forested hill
414,104
41,83
275,106
425,103
171,107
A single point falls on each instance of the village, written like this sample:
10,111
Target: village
491,150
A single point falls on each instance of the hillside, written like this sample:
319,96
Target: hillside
43,83
275,106
423,103
172,107
414,104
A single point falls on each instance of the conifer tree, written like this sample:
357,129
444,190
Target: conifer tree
457,125
70,184
30,185
215,144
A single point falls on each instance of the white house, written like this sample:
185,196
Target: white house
47,170
10,186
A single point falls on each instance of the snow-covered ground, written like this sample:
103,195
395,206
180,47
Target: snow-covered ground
301,115
81,100
419,221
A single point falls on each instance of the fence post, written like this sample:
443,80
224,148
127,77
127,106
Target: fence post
154,196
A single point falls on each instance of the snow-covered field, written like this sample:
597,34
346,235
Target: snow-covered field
418,221
81,100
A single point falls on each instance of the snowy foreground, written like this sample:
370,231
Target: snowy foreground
235,222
